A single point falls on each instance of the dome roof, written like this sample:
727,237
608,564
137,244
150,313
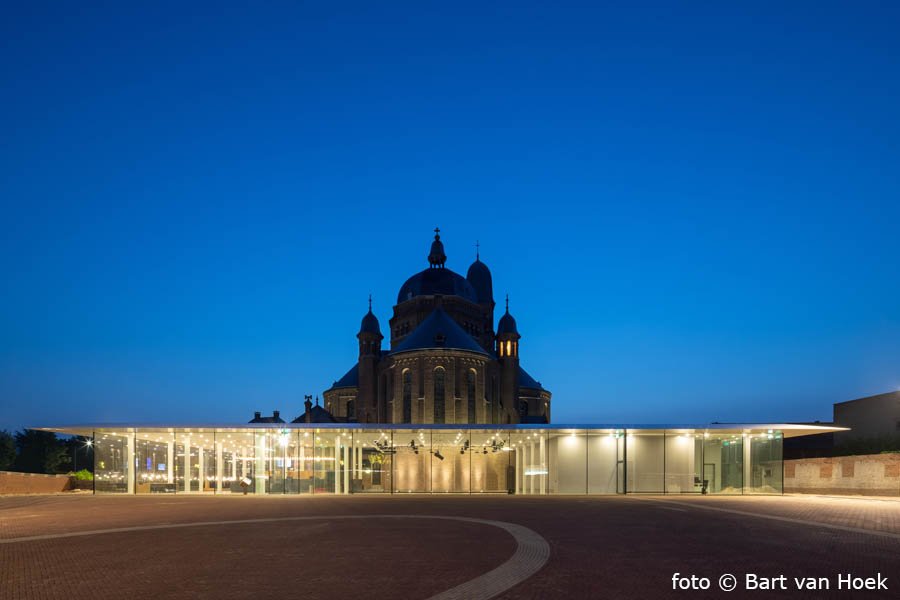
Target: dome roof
434,282
370,324
480,277
507,323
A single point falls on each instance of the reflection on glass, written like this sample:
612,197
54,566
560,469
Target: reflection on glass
568,462
604,461
113,453
412,460
645,455
490,455
765,463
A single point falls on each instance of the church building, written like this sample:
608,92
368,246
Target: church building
445,362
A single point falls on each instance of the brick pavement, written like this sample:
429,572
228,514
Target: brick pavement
600,547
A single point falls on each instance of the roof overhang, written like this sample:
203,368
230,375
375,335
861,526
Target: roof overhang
787,430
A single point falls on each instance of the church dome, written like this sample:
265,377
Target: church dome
479,276
437,282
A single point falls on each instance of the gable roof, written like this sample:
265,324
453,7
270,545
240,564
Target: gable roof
438,331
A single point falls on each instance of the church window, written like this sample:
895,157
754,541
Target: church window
351,410
470,394
439,398
508,347
407,396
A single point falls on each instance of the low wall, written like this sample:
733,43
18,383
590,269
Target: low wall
867,475
32,483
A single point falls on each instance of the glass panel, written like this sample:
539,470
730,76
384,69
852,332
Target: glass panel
327,445
113,453
155,454
412,460
530,461
645,461
372,453
305,462
603,456
722,471
765,463
684,450
450,462
237,466
490,454
568,462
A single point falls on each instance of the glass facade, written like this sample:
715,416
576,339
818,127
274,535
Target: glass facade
448,459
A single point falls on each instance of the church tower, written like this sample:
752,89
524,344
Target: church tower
508,355
369,337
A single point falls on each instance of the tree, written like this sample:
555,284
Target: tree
40,452
7,450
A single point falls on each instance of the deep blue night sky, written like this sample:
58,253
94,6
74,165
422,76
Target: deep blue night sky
694,210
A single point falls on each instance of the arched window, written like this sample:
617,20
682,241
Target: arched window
439,399
351,410
470,394
407,396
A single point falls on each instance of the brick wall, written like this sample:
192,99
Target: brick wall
869,475
32,483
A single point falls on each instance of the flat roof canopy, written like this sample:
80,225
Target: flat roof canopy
787,429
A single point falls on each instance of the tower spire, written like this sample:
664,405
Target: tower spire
370,302
477,250
507,302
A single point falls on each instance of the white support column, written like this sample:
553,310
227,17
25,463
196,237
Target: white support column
519,474
186,484
530,467
131,472
337,465
201,471
220,467
170,460
348,465
543,461
259,472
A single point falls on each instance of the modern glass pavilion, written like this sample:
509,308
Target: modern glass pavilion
345,458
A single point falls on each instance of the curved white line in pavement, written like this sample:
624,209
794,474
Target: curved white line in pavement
532,550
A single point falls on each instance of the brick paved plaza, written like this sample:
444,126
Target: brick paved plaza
598,547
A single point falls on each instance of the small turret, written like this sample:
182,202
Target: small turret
437,258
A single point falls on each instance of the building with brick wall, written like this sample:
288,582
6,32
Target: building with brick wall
445,362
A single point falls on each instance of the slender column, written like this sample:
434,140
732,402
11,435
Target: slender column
170,460
519,474
337,465
186,485
130,472
220,467
543,461
201,471
259,474
347,468
530,467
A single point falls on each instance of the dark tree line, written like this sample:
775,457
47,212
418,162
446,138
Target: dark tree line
30,451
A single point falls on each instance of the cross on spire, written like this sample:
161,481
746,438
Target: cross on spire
370,302
437,233
477,250
507,303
